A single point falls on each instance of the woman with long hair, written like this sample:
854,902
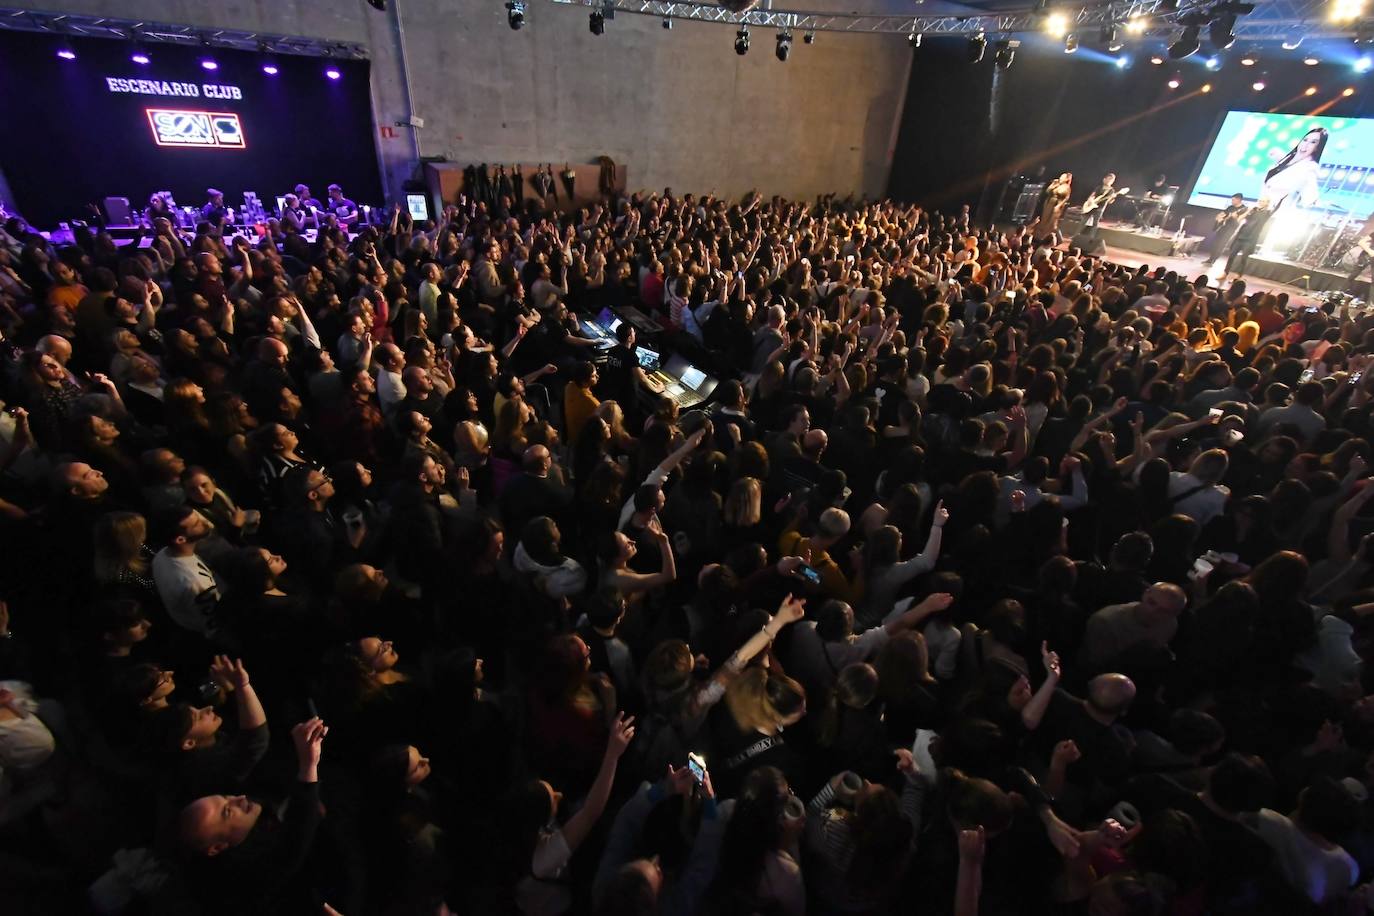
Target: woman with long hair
860,842
123,559
850,732
760,854
748,729
1292,182
909,693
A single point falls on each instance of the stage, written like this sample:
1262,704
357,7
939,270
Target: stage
1131,246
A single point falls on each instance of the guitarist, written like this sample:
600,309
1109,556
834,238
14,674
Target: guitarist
1365,243
1098,200
1225,225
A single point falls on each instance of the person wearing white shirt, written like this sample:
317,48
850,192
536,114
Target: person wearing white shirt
391,390
187,587
1310,861
1198,493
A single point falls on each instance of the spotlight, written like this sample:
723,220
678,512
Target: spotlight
1137,24
1292,44
914,39
1156,60
667,23
742,41
1057,24
1221,31
1186,44
784,46
1174,82
1213,63
1310,61
809,38
1311,90
1248,60
1363,64
65,52
1070,43
140,55
1004,53
208,63
977,47
1122,63
378,5
333,73
1257,85
515,14
1205,88
597,22
1348,91
1347,10
1111,38
270,67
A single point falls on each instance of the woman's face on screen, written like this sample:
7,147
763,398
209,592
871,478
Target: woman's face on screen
1307,146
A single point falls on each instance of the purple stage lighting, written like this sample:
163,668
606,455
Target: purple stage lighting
209,64
66,53
333,73
139,57
270,68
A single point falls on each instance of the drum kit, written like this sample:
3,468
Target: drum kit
1329,242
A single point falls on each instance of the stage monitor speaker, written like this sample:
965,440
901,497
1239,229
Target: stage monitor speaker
1089,244
1026,202
118,212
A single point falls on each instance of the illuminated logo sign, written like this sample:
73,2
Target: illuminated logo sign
180,127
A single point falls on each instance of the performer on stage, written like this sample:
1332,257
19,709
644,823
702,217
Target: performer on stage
1098,201
1365,243
1056,199
161,205
214,212
1292,182
1224,227
307,200
1247,237
1147,212
295,215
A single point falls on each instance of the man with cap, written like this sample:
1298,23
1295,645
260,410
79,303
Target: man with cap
308,202
344,210
214,212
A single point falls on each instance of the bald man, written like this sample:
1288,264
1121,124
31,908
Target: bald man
60,349
1118,629
1104,747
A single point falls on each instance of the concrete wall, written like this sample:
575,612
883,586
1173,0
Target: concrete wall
676,107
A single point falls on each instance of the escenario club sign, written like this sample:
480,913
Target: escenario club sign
178,90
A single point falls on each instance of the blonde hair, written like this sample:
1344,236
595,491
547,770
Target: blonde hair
118,539
760,700
744,504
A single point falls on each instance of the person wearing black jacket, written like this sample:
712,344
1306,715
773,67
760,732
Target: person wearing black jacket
241,853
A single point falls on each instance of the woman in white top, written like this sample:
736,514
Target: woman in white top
1197,494
1292,182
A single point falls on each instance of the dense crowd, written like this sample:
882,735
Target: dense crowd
344,572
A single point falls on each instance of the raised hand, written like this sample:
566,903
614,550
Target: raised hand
1051,660
791,610
308,738
1065,753
622,733
937,602
228,673
972,845
941,514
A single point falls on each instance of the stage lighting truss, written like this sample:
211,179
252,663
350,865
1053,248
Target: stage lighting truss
1273,21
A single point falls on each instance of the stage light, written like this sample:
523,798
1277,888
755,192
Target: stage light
596,22
1363,64
1205,88
1174,82
1347,10
1257,85
1310,61
1348,91
1070,43
1004,53
1292,44
270,68
1156,60
1311,90
140,57
914,39
1122,63
1056,24
1186,44
1221,31
333,73
1111,38
809,38
667,23
1248,60
1214,63
1137,24
784,46
515,14
208,63
976,48
742,41
65,52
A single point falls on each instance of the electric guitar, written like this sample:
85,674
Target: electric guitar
1093,201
